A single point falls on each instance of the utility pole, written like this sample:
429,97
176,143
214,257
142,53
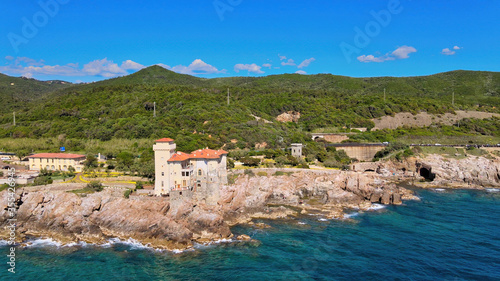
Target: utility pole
14,114
227,96
453,98
154,109
384,95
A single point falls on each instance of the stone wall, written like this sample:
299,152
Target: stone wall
362,153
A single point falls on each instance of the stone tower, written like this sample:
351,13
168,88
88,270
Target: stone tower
164,149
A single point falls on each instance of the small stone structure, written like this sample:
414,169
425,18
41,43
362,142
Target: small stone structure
297,150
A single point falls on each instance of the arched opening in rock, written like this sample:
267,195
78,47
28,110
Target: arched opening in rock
369,170
427,174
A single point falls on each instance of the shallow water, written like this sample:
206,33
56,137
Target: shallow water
448,235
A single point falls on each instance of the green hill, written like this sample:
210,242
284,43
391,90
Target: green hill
16,92
195,110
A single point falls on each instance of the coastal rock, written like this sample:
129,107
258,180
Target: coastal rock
304,191
437,170
385,198
94,218
244,237
396,199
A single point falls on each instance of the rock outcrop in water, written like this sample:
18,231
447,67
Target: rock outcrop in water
68,217
326,192
469,172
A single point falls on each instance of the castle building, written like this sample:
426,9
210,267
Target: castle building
200,172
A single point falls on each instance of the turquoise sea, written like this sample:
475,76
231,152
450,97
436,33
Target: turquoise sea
448,235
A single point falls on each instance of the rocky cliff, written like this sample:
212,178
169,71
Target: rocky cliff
439,171
67,217
54,212
322,192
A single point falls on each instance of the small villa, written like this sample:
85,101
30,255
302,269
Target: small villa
56,161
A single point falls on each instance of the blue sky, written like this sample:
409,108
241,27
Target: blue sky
93,40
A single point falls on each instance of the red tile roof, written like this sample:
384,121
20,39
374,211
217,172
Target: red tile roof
197,154
164,140
57,155
179,156
221,151
207,154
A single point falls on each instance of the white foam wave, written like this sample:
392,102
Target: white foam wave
440,189
300,222
42,242
4,243
351,215
375,207
132,243
492,190
322,219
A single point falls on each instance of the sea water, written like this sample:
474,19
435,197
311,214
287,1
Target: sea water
448,235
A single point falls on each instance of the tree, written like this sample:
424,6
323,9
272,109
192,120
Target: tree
251,162
125,160
91,161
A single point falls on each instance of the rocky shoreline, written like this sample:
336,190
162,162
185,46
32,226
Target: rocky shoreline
68,218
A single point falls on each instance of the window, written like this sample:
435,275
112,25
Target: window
161,183
200,172
162,174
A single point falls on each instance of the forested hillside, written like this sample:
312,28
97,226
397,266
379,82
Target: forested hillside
195,112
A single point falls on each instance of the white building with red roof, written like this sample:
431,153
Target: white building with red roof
201,171
56,161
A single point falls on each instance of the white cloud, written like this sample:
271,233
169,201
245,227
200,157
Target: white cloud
371,58
27,75
104,67
400,53
197,67
254,68
164,65
267,65
289,62
447,52
9,58
306,63
28,67
282,57
301,72
132,65
403,52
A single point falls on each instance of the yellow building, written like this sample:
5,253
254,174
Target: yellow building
56,161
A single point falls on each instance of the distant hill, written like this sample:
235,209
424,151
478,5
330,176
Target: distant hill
16,92
195,110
